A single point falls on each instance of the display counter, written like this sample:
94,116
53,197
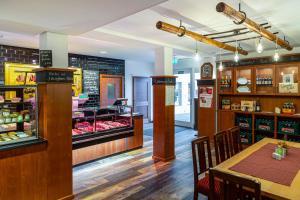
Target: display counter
99,132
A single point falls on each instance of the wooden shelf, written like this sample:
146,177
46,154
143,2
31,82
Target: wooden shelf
297,115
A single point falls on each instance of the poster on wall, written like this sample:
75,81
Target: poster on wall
170,95
206,96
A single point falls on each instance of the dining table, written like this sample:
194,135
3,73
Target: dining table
279,179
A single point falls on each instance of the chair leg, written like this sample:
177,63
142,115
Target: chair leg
195,195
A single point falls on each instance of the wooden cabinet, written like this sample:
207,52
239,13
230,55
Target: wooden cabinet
287,79
265,80
243,80
226,119
271,85
226,81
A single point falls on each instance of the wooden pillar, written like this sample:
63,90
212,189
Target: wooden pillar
55,125
206,108
163,118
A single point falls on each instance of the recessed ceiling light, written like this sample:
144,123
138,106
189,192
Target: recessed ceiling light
103,52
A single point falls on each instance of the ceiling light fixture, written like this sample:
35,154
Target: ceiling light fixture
236,54
103,52
276,54
259,47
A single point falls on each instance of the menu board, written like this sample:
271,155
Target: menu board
90,82
45,58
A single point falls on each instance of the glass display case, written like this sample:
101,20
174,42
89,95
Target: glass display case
265,80
287,79
244,80
226,81
18,114
95,125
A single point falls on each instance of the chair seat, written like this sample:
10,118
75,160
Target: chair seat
203,186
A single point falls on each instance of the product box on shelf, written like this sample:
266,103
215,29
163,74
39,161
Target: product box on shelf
248,106
226,104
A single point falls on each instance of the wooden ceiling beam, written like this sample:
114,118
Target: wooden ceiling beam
196,36
251,25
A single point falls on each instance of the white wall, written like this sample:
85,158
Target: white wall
136,68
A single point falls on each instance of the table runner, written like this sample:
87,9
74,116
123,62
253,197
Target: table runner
260,164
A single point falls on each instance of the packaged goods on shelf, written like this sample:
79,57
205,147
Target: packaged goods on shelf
248,106
288,127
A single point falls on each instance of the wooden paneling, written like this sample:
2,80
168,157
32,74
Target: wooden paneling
207,116
113,147
225,120
43,171
163,125
24,177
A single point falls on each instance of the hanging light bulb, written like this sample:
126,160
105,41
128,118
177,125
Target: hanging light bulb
259,47
236,54
236,57
196,56
221,66
276,54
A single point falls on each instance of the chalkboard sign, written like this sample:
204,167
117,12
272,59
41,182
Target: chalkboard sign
54,76
45,58
91,82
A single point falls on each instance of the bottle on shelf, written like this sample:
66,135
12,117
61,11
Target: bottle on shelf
258,106
257,80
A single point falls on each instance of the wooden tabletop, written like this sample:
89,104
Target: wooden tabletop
268,188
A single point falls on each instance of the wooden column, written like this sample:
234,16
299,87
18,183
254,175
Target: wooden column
206,113
55,125
163,118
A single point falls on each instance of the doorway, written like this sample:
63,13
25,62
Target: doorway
141,96
183,98
111,87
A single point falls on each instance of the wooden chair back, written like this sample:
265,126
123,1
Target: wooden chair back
202,159
221,146
233,187
235,140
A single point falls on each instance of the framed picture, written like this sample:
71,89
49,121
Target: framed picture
288,78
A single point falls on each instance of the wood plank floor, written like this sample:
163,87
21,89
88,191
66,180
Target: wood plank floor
134,175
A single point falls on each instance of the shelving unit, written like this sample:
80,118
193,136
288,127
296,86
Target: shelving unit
18,120
270,92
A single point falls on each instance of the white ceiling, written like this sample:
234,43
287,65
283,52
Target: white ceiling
126,29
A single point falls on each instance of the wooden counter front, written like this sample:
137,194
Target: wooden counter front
102,150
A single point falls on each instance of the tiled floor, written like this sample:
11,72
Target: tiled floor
134,175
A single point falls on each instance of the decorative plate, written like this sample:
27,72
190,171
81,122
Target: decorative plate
242,81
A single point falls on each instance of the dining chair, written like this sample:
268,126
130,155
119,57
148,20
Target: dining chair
221,146
233,187
235,142
202,161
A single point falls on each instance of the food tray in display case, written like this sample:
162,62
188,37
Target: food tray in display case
97,125
18,115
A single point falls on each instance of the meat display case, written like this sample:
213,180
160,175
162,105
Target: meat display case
18,116
95,125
